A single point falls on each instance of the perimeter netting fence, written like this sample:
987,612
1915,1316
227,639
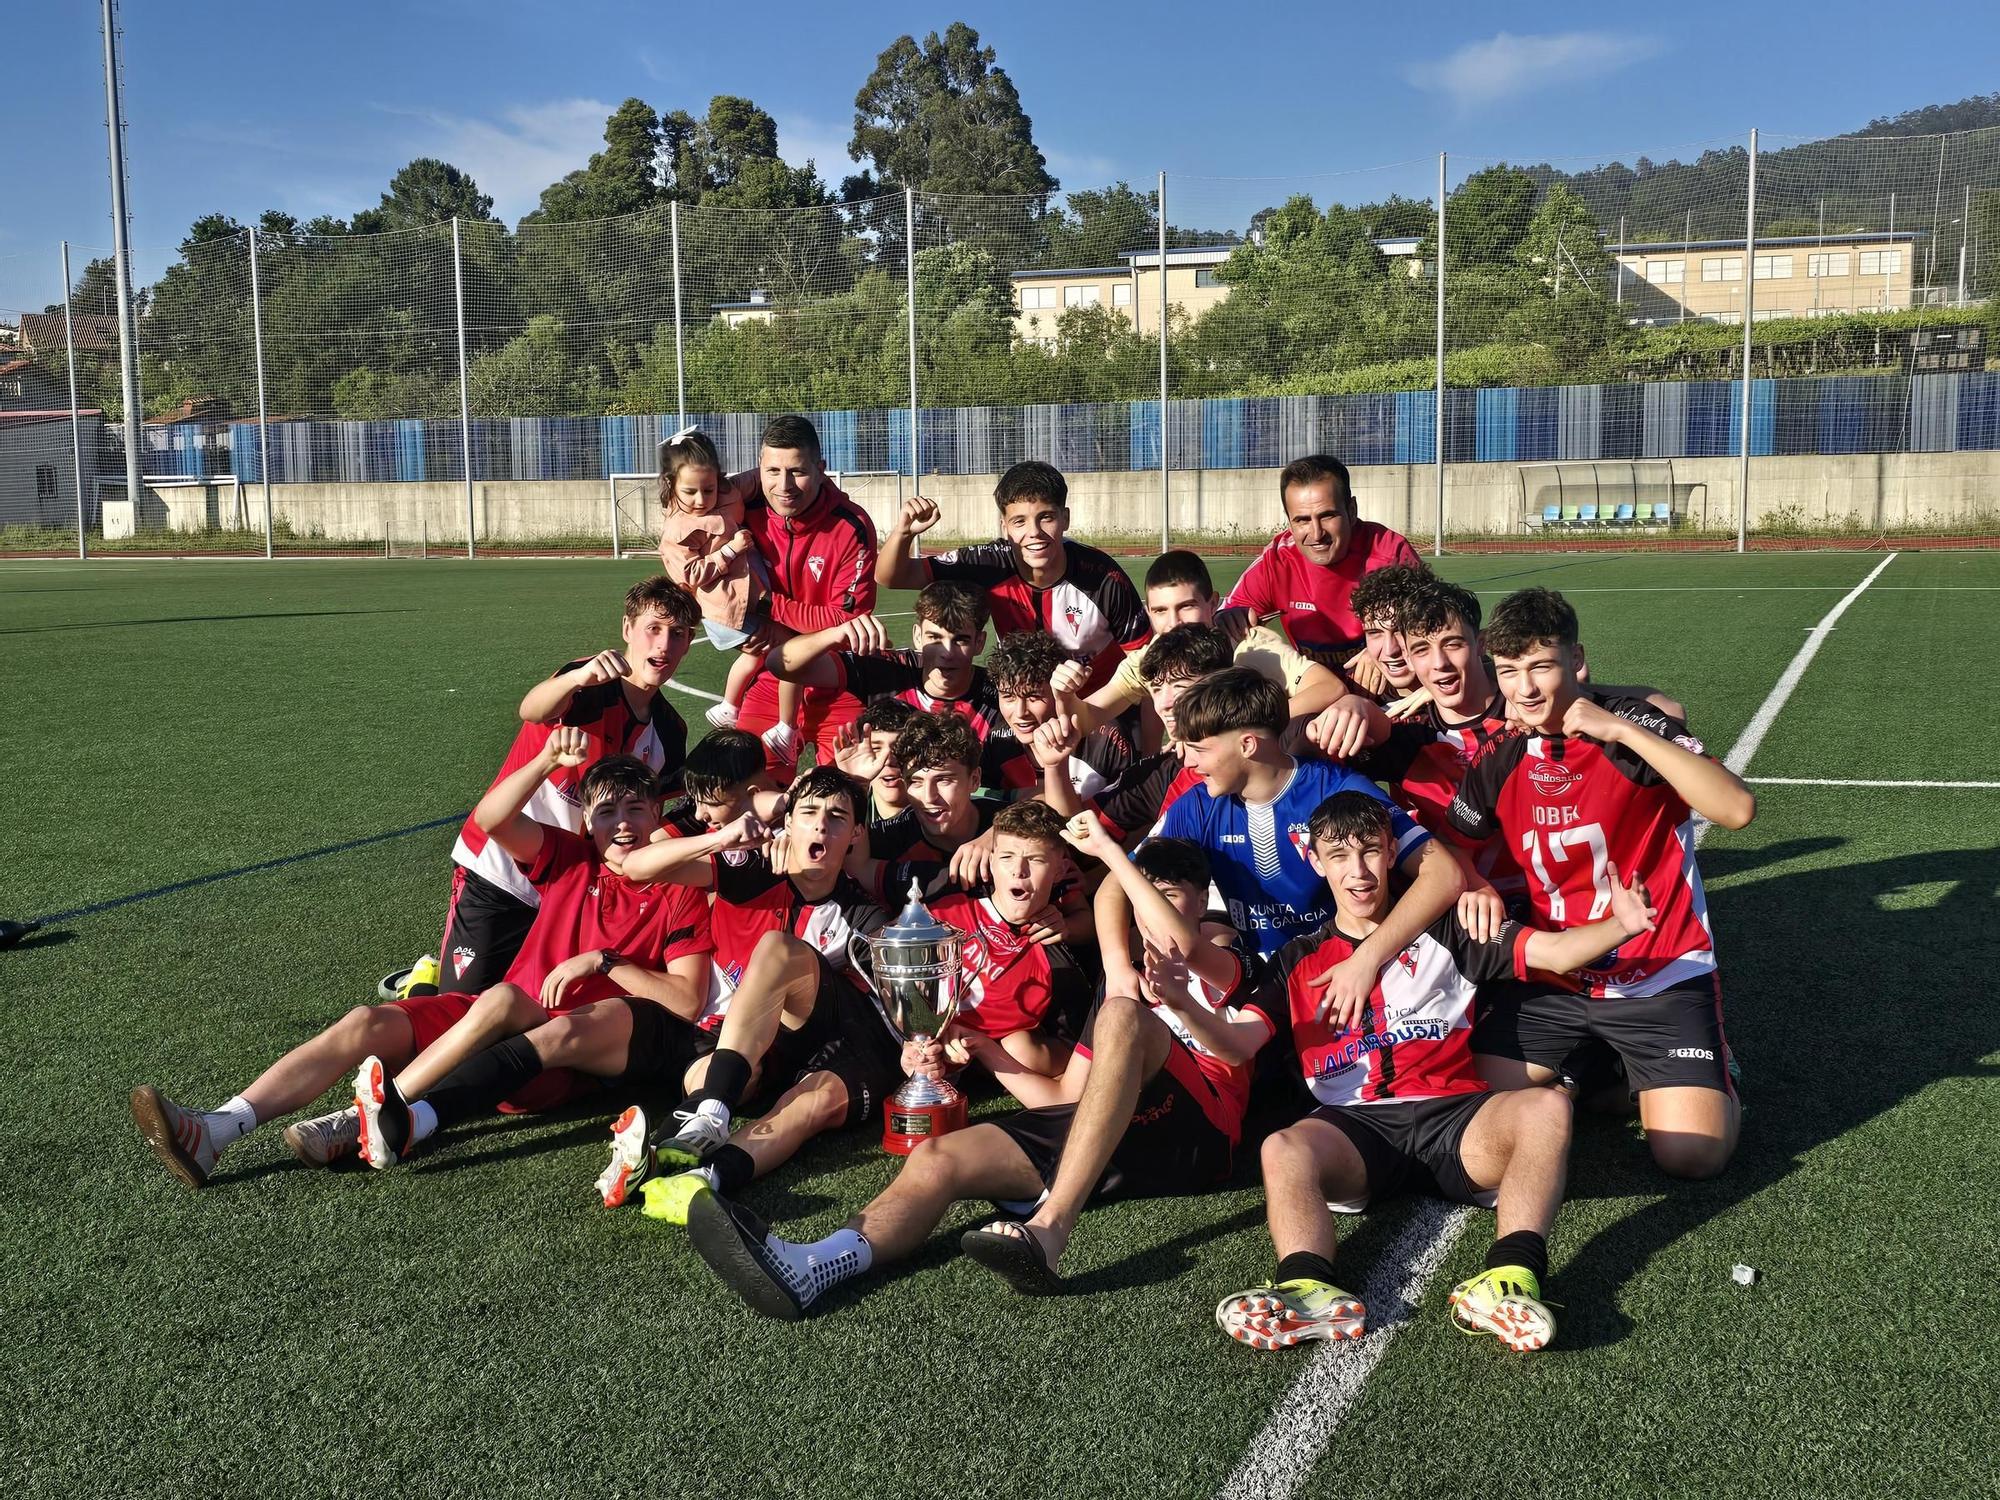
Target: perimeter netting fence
331,394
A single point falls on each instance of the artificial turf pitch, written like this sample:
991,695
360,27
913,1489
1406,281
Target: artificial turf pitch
474,1324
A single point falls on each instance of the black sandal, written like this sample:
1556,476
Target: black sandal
1009,1250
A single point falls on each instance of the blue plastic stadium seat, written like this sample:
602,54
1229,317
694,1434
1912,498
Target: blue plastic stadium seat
1662,512
1624,514
1551,515
1589,516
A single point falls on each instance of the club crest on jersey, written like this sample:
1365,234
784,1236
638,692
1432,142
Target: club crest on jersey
1408,959
1301,837
1690,744
1072,614
736,856
1552,778
461,960
817,567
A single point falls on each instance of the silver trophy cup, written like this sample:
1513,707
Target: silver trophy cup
915,970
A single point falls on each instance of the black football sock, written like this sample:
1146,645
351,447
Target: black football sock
479,1083
728,1076
1303,1265
393,1119
733,1169
1521,1248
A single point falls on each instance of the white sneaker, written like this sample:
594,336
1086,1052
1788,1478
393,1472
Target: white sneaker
325,1139
721,716
700,1133
783,742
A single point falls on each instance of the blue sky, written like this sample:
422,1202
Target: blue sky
310,108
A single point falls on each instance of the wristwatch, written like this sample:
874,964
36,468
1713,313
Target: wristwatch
608,960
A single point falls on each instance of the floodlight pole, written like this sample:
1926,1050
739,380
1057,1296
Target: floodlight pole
464,394
680,366
1749,313
263,419
910,298
75,423
1437,545
1166,466
121,252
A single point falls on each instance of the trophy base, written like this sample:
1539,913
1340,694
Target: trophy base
907,1126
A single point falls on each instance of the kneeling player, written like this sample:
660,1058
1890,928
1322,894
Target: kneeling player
1164,1082
1401,1105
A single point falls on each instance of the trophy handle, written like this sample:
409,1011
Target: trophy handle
861,971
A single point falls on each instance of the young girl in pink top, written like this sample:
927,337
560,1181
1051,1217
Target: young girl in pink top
703,545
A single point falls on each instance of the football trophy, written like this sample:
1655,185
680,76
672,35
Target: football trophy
913,967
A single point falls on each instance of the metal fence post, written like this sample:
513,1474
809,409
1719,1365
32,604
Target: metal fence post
1166,482
464,393
263,417
680,364
1437,421
910,273
75,423
121,250
1749,317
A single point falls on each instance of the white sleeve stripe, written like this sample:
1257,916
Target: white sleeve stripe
1410,840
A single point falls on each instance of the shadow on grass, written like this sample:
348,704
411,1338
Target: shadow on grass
1840,1003
280,614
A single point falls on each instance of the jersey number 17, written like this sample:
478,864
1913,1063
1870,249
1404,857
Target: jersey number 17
1558,846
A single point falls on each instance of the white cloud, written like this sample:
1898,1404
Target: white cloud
801,139
514,157
1506,66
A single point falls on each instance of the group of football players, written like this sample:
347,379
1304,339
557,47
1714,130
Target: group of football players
1341,861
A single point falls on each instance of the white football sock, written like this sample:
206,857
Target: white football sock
714,1109
423,1121
816,1268
230,1122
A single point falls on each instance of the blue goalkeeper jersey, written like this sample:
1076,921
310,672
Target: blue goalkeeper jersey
1257,851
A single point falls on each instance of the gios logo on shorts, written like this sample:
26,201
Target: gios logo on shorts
1552,778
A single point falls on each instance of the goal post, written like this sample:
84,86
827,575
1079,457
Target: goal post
207,511
634,508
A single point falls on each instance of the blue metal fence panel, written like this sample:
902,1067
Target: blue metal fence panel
1499,429
1415,437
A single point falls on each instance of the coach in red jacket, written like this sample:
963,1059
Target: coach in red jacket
820,548
1308,572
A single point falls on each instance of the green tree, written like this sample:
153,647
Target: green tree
943,118
426,191
1093,225
623,178
532,375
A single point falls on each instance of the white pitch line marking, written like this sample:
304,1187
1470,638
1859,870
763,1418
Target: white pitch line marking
1288,1446
1984,786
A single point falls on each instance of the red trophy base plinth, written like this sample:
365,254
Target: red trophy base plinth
906,1126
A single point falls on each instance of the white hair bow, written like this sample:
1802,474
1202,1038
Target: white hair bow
686,432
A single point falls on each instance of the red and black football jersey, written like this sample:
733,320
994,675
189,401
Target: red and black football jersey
659,738
1423,761
1011,982
1010,768
751,899
1568,809
1413,1038
587,905
900,675
903,840
1092,609
1139,799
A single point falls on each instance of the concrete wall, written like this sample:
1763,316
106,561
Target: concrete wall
1866,491
26,449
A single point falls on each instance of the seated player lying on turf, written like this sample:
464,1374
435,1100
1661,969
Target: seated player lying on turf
618,803
1400,1104
1593,780
939,671
797,887
1179,591
794,1033
632,953
1155,1107
614,696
